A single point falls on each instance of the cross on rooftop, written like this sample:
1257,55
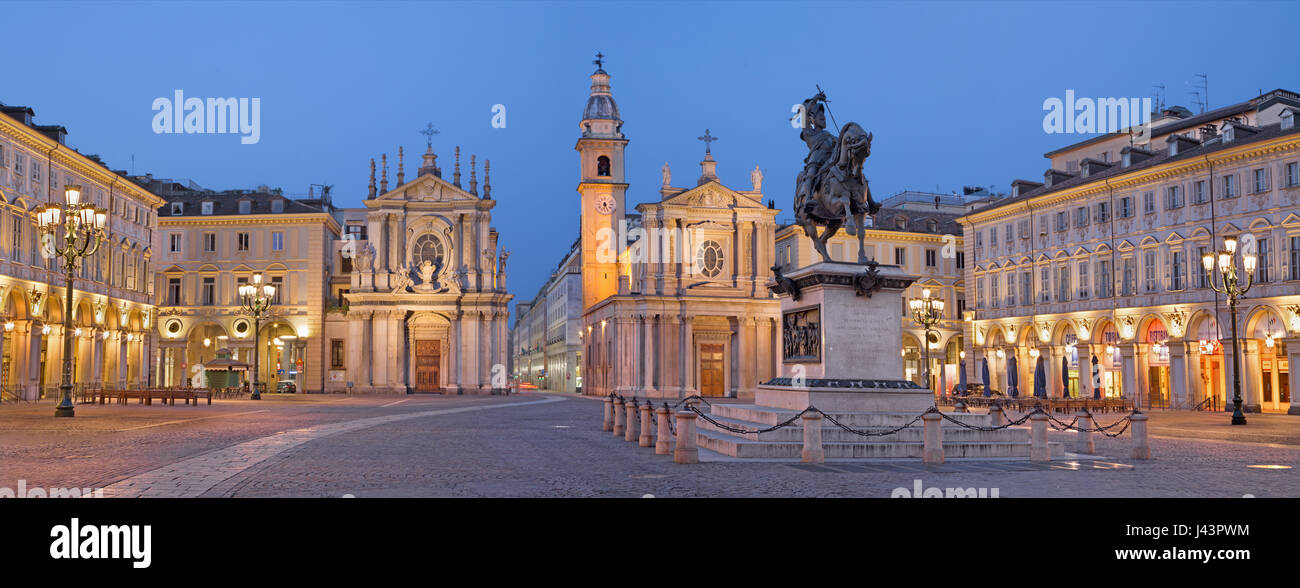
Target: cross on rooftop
429,132
707,138
600,60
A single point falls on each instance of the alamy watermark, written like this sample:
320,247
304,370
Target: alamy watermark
36,492
1085,115
919,491
214,116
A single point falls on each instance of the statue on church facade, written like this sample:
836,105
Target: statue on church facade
402,281
428,277
831,191
756,178
668,175
365,258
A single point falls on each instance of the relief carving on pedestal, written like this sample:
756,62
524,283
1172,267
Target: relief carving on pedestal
801,336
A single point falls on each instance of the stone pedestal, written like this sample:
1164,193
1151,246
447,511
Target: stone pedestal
840,336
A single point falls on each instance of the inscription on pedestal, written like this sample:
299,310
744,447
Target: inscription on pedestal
802,335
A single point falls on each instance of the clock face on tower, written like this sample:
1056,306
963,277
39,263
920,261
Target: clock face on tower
605,204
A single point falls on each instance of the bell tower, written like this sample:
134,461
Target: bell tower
602,187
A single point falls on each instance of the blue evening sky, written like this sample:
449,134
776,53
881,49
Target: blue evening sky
953,91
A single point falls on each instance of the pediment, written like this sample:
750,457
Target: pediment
1291,220
427,188
712,195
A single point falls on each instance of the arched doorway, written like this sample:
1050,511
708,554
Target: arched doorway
276,344
911,358
1210,360
1069,342
201,346
1267,360
1155,339
1110,362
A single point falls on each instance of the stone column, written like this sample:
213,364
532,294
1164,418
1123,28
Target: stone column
764,369
357,366
1129,379
1293,358
748,364
469,351
1251,377
97,357
379,350
454,383
646,324
688,356
1178,393
669,384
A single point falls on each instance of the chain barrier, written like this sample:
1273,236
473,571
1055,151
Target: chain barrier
688,399
744,431
1103,429
1053,422
1010,423
671,429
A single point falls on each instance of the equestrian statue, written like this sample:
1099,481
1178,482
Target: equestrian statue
831,192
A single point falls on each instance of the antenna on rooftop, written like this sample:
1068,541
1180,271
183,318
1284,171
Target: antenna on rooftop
1159,96
1201,92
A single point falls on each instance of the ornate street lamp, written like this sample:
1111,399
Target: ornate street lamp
255,300
927,312
1232,287
83,230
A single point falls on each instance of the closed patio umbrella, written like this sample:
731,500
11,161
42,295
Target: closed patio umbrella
1040,378
1065,377
961,384
1013,377
1096,378
984,376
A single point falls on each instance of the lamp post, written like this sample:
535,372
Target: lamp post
83,230
1232,287
927,312
255,300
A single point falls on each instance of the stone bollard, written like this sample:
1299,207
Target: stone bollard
1038,449
630,431
647,432
933,452
1141,449
618,417
686,451
1083,443
664,443
607,424
812,438
960,406
996,415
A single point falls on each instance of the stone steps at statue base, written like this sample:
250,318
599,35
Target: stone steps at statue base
908,443
834,434
744,448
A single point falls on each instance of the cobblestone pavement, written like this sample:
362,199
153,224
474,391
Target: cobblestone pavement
455,446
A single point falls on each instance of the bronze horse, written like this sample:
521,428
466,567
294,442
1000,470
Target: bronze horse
839,194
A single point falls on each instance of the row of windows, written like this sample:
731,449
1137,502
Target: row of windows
1179,273
207,293
243,241
31,184
1173,197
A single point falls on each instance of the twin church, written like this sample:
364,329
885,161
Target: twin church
672,299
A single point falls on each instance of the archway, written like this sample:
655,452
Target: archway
1110,361
1204,330
911,358
1153,338
201,346
276,343
1266,360
15,353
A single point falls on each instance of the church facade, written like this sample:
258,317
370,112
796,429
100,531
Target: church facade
674,302
426,307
